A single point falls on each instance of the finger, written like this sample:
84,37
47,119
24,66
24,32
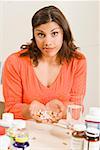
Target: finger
52,107
37,118
59,116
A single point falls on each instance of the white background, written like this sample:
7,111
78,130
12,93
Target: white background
83,17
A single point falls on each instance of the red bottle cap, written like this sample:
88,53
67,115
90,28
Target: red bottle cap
2,130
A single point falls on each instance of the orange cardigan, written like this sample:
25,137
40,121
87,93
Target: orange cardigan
21,85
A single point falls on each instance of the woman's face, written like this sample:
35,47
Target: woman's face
49,38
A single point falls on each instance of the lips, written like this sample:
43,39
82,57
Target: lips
48,49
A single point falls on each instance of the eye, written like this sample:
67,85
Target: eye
41,35
54,33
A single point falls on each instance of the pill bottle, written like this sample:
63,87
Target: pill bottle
77,140
20,135
21,143
4,140
92,119
91,141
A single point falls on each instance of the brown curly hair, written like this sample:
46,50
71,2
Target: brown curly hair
68,49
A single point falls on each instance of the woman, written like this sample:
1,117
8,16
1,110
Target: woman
48,74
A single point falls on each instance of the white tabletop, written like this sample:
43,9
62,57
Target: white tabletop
47,137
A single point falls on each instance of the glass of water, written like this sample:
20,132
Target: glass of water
74,115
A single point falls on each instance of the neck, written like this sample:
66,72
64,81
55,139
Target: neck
49,60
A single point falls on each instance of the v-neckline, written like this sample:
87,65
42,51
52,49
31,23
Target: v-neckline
53,83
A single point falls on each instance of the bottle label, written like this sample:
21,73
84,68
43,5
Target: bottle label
77,143
93,124
91,145
26,148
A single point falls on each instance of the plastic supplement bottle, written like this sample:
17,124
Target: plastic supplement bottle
77,140
21,143
92,119
91,141
4,140
21,136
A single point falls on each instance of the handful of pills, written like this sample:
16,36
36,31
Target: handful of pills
48,116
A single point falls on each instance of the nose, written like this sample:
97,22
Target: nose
47,41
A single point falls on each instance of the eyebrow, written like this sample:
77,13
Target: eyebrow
43,31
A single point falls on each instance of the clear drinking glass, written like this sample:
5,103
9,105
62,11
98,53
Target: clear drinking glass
74,115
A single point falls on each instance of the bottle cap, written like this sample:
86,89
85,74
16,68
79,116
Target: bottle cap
92,118
2,130
79,127
9,117
92,132
21,139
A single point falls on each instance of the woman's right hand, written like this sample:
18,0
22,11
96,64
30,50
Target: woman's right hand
35,110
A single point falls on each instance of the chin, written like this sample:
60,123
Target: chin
52,54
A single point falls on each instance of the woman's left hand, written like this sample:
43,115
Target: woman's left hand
58,108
